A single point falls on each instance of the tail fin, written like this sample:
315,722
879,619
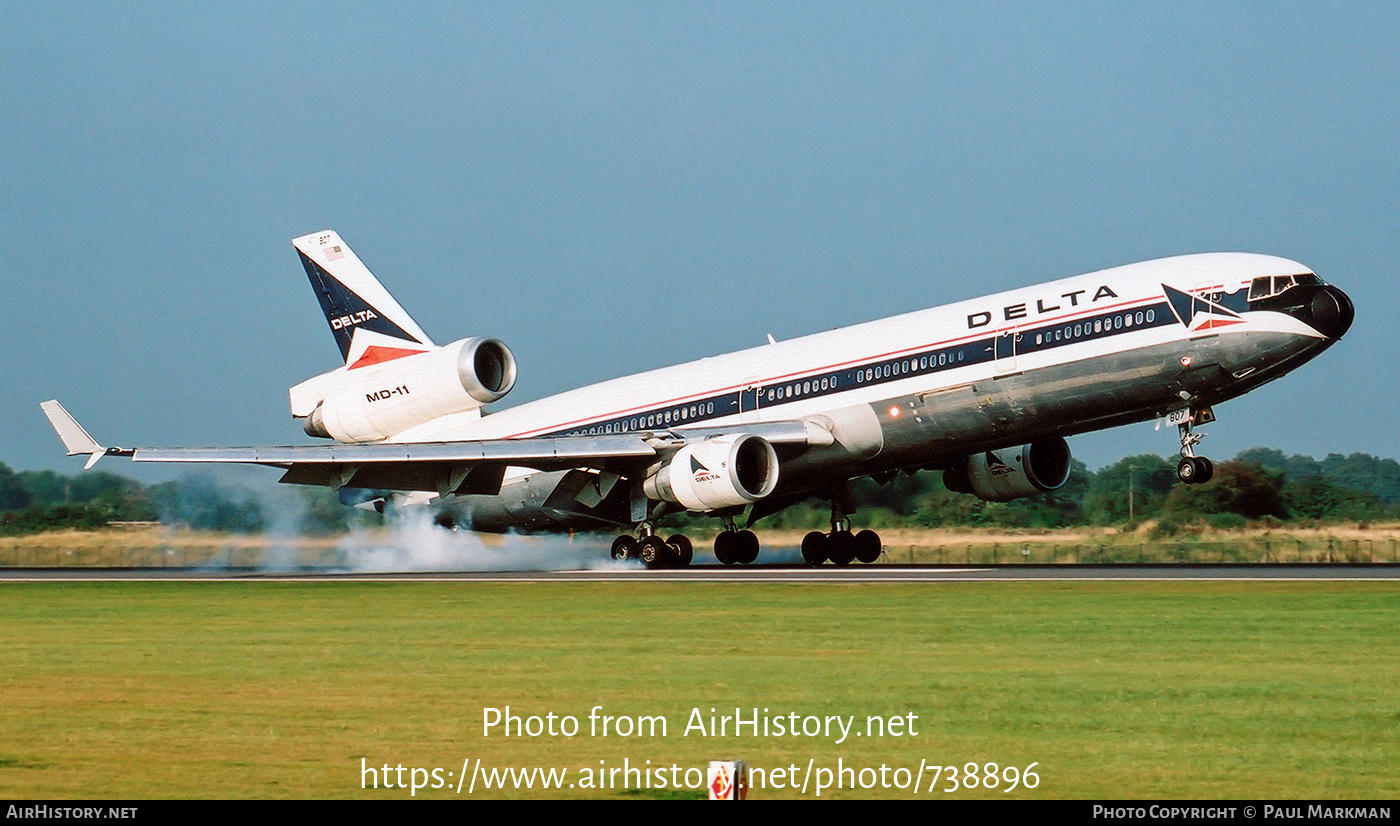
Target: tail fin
354,300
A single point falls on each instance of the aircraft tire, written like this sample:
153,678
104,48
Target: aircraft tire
868,546
748,547
726,547
1207,470
625,547
1187,470
682,550
841,547
654,552
814,546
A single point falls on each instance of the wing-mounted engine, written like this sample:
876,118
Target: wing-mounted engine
368,404
723,472
1012,472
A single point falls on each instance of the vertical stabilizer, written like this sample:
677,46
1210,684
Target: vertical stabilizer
354,300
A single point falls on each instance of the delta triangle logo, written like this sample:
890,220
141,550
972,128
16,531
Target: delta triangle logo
1187,307
700,473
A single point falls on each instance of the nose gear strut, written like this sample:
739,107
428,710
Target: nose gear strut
1193,469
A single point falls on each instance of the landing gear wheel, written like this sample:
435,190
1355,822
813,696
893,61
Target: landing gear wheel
727,547
814,548
841,547
682,550
654,552
624,547
748,547
868,546
1194,470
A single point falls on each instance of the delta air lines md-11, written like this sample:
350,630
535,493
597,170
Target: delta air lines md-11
984,390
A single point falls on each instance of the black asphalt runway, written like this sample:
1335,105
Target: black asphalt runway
827,574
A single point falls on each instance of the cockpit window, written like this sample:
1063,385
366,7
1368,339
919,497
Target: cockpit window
1268,286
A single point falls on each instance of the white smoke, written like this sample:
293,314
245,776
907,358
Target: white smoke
413,542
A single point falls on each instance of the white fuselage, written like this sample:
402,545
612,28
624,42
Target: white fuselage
762,379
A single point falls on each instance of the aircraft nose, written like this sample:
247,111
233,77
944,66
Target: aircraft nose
1331,312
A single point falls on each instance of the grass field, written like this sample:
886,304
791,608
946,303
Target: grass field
1210,690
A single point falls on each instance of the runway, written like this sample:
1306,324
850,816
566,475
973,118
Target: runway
828,575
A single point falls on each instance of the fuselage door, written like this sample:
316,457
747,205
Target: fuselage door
748,401
1005,350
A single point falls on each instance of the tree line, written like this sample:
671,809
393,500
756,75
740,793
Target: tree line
33,501
1258,485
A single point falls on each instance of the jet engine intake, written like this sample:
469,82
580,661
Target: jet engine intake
723,472
409,391
1012,472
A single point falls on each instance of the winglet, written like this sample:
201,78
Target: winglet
75,439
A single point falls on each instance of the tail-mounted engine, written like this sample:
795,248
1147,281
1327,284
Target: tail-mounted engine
724,472
1012,472
378,402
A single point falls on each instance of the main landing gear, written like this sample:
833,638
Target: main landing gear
731,546
656,552
735,546
840,545
740,547
1193,469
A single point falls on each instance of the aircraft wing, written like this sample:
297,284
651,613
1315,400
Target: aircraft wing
461,467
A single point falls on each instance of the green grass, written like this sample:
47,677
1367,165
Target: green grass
1212,690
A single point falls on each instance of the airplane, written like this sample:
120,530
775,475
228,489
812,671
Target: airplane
984,390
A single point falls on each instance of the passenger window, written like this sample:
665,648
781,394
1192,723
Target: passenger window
1150,314
1138,317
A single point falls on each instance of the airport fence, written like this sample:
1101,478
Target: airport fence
1227,551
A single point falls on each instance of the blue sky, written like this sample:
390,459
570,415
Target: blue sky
615,187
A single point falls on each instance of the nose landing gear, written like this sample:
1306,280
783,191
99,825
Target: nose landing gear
1192,469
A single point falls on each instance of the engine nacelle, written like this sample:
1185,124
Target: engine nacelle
409,391
724,472
1012,472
